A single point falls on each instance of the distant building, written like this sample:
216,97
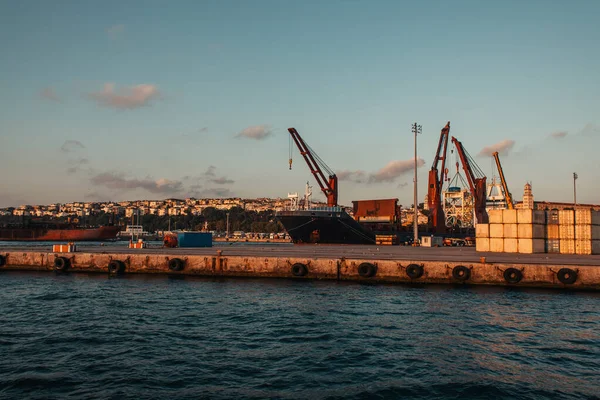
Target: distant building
529,203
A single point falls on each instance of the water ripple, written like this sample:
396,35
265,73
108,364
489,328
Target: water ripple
87,336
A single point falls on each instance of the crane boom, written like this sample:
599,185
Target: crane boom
477,182
328,185
507,195
436,181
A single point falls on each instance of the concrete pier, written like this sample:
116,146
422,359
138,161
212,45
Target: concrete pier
345,263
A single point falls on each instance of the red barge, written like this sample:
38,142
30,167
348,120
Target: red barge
58,232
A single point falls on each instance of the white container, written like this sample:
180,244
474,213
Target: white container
496,231
566,231
482,231
497,245
587,217
567,246
531,246
509,216
495,216
531,231
552,231
511,245
511,231
482,244
531,217
587,246
566,217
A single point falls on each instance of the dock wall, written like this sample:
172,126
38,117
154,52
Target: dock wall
365,270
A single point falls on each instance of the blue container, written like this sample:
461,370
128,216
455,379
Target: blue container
194,239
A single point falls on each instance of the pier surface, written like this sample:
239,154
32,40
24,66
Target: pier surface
397,264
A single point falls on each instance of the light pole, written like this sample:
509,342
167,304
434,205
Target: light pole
416,129
227,234
575,210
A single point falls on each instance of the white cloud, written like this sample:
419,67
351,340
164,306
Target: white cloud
502,147
558,135
115,31
118,181
394,169
126,98
49,94
70,146
353,176
257,132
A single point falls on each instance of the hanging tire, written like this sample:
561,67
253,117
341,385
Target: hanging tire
461,273
414,271
299,269
567,276
2,261
116,267
367,270
512,275
176,264
61,264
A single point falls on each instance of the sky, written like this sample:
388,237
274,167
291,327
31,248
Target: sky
125,100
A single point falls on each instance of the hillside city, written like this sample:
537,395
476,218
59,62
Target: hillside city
167,207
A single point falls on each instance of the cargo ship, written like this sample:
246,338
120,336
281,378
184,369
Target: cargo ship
331,225
49,231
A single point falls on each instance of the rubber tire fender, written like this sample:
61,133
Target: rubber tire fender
414,271
61,264
567,276
2,260
367,270
461,273
512,275
116,267
176,264
299,269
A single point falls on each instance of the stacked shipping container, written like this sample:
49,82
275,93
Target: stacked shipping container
534,231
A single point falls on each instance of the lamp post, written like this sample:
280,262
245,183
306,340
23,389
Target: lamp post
575,209
227,234
416,129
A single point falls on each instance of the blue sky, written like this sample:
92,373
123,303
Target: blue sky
124,100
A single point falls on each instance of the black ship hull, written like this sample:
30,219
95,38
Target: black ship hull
330,225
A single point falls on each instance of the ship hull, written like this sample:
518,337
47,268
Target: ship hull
326,226
48,234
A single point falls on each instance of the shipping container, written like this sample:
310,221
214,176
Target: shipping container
531,231
587,246
531,217
566,231
496,230
552,231
587,217
509,216
567,246
587,232
566,217
531,246
482,231
497,245
194,239
495,216
552,246
510,231
384,210
482,244
552,217
511,245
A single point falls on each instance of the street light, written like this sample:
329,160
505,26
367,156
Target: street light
575,210
416,129
227,234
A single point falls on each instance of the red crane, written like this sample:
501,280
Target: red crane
316,166
436,181
477,182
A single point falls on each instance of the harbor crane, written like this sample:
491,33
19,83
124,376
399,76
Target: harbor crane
506,193
329,185
437,221
477,182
